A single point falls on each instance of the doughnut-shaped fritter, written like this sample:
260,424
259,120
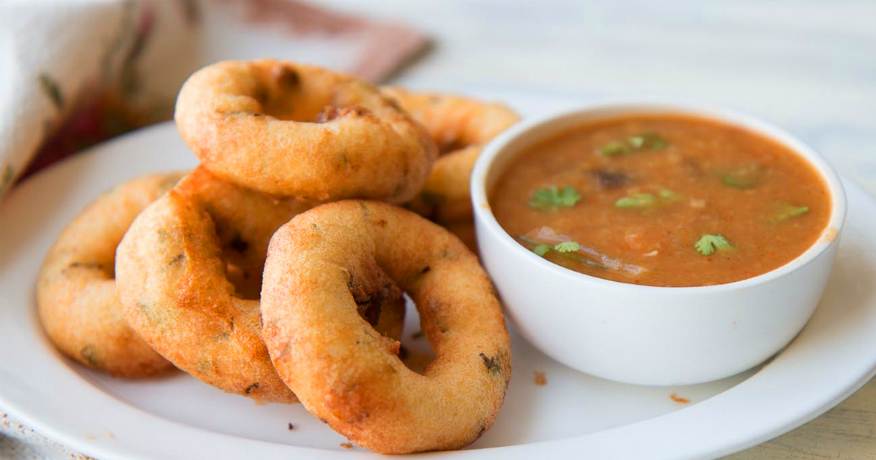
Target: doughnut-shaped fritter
349,375
76,291
296,130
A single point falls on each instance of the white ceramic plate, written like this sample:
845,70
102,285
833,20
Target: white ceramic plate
573,416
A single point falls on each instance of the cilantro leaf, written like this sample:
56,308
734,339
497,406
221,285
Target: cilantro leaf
541,249
739,181
787,211
614,148
637,142
637,200
707,244
650,141
745,177
573,256
567,246
549,199
667,194
647,141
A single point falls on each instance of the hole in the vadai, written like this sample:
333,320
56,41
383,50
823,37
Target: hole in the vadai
283,95
415,353
246,285
285,76
383,305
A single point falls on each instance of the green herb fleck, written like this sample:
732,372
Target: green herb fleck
667,194
638,200
527,239
541,249
788,211
549,199
573,256
614,148
739,182
637,142
650,141
743,178
567,246
709,243
647,141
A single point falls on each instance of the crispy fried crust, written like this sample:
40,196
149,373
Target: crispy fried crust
461,127
296,130
175,280
347,374
76,291
465,231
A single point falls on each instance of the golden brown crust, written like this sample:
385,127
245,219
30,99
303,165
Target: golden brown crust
76,291
296,130
465,231
349,375
171,272
460,127
178,293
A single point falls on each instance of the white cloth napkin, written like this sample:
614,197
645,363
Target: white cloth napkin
75,72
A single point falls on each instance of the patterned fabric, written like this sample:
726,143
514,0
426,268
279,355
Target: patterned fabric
77,72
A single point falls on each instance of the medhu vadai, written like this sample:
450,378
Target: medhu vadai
76,291
349,375
173,271
301,131
460,127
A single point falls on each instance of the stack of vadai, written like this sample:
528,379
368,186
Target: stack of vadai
173,279
276,269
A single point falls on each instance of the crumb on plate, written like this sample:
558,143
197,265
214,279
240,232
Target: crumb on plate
540,378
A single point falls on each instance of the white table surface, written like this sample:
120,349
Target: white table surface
809,66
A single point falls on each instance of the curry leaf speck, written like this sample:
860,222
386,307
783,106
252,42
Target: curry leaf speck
549,199
567,246
637,200
707,244
787,211
541,249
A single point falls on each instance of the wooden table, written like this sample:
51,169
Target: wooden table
807,65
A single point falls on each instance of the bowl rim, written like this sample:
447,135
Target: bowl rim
483,214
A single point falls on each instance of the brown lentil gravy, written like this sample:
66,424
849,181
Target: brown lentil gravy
663,200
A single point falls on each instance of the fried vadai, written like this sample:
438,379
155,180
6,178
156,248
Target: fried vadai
465,231
76,290
349,375
176,268
460,127
296,130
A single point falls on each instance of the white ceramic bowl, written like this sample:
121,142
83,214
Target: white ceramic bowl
644,334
